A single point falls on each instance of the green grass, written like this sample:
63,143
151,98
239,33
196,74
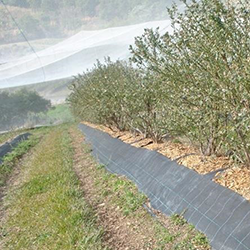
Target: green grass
48,211
58,114
122,192
178,220
23,147
60,111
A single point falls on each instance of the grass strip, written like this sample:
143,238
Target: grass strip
11,158
47,211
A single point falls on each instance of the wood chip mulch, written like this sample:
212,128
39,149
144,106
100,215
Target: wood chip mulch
237,178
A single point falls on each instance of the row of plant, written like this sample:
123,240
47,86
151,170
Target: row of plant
193,82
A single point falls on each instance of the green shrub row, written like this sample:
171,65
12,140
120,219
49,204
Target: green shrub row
193,82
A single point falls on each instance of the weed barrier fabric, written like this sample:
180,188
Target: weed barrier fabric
221,214
9,146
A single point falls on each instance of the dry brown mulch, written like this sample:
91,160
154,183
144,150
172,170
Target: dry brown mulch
237,178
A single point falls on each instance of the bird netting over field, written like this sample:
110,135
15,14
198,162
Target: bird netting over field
45,43
73,55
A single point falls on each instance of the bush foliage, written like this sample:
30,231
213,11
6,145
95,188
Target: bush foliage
192,82
16,107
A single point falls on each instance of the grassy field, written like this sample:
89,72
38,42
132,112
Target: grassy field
47,211
62,199
58,114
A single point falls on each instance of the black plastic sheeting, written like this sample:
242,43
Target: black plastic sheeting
221,214
9,146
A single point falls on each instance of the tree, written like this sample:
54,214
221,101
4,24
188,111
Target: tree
204,66
88,7
15,107
30,25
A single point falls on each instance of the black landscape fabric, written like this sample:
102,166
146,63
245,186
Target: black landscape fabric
9,146
221,214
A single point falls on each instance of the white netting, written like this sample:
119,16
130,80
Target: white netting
73,55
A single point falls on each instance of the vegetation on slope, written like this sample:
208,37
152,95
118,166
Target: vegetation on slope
25,106
53,18
56,91
58,114
192,83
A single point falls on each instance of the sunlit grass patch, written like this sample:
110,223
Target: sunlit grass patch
48,211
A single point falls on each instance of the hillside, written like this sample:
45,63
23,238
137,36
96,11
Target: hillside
55,91
144,143
12,51
53,19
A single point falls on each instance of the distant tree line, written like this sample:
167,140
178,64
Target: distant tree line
56,18
106,9
16,107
